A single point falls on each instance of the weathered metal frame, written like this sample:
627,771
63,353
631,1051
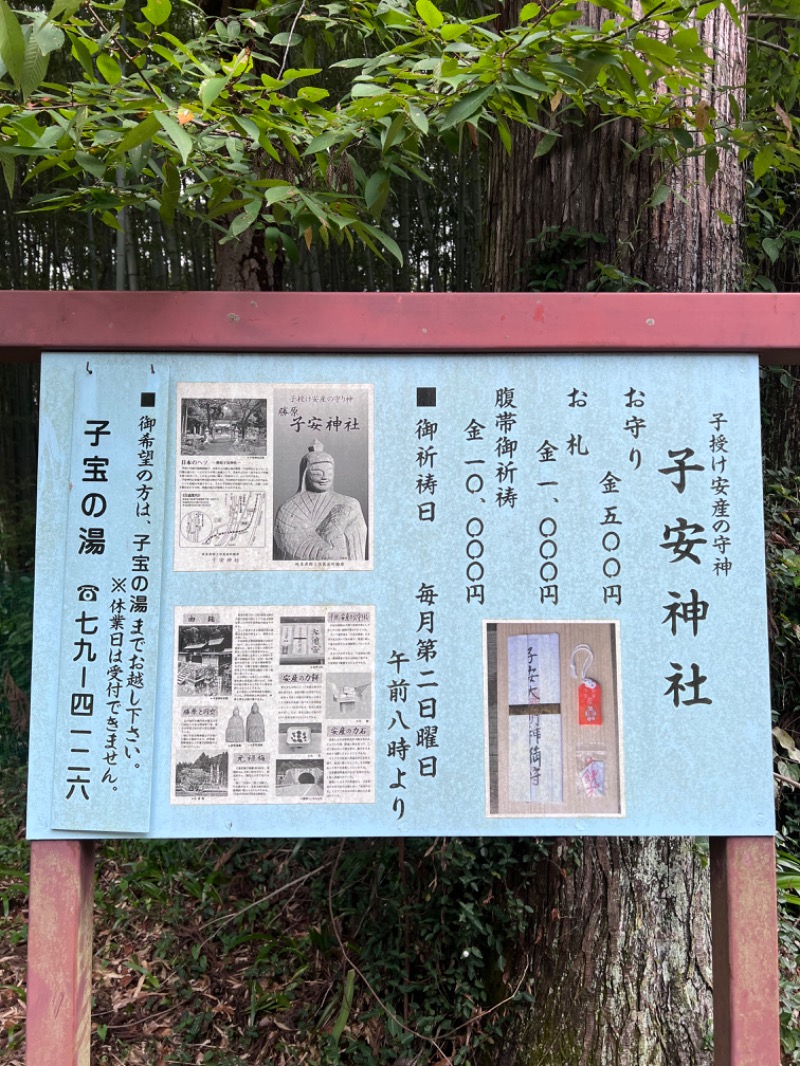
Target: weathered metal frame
743,896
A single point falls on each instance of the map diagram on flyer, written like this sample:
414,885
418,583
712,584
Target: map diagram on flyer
229,519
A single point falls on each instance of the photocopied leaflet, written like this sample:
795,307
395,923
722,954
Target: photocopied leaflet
273,705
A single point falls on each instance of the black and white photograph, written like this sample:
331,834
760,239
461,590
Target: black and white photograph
217,425
300,738
302,641
322,475
299,778
348,695
204,660
204,775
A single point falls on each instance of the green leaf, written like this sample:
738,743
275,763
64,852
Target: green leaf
349,64
366,88
772,247
240,64
377,192
733,12
83,55
639,71
624,83
528,12
140,133
418,117
278,193
243,221
312,93
453,30
322,143
467,107
91,164
12,44
251,210
34,67
110,220
536,85
109,68
48,37
9,172
64,7
157,11
210,88
429,13
344,1010
763,161
711,164
177,134
286,40
393,132
170,193
657,50
388,242
545,144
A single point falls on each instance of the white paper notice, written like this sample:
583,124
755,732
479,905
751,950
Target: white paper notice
273,705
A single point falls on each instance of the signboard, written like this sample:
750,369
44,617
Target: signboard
385,595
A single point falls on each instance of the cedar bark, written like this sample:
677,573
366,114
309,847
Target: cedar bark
619,958
591,182
619,955
243,265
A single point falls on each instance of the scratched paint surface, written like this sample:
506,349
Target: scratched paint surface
538,489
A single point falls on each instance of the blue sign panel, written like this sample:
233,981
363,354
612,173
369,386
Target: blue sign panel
105,661
402,595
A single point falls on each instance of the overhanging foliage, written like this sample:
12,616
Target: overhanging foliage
294,117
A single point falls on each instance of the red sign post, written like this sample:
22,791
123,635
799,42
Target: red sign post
744,915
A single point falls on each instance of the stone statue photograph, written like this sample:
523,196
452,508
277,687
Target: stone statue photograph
322,477
318,523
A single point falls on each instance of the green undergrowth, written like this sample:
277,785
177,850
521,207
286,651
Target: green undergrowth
782,514
317,951
365,952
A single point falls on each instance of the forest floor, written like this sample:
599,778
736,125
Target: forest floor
298,953
204,953
225,953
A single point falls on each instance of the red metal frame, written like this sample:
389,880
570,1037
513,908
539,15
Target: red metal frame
744,931
31,322
743,910
58,1023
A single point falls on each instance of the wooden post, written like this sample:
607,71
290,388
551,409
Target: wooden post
60,953
744,934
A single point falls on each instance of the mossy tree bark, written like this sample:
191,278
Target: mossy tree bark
619,955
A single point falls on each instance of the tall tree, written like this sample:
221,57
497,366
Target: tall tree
285,126
620,950
619,944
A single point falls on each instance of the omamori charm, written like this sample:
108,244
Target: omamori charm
590,695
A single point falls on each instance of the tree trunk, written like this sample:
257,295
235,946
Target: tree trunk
244,266
591,183
620,955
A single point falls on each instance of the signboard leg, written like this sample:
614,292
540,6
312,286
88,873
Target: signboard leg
744,922
60,953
